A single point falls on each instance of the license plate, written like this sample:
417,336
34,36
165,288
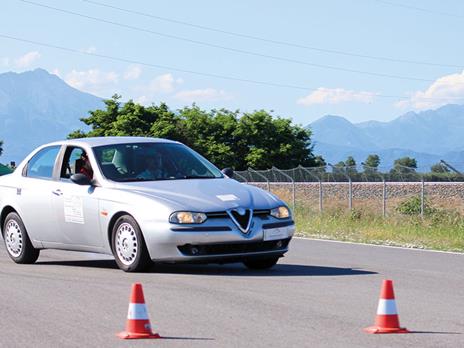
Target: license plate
275,233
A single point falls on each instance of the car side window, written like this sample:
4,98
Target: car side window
42,163
75,161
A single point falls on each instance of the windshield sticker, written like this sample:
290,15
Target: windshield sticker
226,198
73,209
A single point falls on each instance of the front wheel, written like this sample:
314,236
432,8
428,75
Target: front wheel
261,263
128,245
17,242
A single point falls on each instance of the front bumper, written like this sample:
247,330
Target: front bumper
218,240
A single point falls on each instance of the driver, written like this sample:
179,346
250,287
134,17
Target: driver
153,168
86,168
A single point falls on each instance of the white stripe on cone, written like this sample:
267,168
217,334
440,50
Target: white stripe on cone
387,307
137,311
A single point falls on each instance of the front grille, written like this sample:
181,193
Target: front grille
233,248
223,214
242,220
217,215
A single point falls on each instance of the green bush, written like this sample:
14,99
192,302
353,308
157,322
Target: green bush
412,206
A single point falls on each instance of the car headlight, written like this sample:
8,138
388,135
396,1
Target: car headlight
281,212
187,217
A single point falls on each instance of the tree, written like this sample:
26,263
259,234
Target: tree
370,166
350,165
372,162
227,138
405,164
319,161
404,169
1,147
267,141
439,168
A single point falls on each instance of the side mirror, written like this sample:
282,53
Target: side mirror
229,172
81,179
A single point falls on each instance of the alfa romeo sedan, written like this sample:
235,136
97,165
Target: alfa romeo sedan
142,200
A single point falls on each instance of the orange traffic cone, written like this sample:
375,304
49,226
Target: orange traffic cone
387,320
138,323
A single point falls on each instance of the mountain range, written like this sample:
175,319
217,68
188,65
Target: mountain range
428,136
37,107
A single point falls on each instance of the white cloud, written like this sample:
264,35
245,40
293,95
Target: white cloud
93,81
56,72
164,83
207,94
133,72
445,90
144,100
324,95
27,59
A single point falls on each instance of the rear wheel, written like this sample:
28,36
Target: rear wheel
17,241
265,263
128,245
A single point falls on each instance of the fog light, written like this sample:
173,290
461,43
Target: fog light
194,250
279,244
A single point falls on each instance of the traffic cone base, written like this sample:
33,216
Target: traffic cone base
138,324
384,330
129,335
387,319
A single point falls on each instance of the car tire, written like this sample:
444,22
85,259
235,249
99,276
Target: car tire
17,242
128,245
265,263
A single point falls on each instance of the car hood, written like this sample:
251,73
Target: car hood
203,194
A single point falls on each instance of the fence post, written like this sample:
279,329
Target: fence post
384,198
320,196
293,186
422,198
350,194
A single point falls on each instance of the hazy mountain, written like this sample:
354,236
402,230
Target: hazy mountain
427,136
339,131
37,107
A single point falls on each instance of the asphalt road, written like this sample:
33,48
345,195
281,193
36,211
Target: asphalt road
321,295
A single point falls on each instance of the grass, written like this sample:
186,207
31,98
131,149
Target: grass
440,229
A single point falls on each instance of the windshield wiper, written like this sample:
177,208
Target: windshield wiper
139,179
196,177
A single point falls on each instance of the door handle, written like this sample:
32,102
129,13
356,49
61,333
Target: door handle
57,192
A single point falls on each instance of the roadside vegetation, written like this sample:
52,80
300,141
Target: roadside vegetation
438,229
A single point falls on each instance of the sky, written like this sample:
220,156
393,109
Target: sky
361,59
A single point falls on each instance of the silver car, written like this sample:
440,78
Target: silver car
142,200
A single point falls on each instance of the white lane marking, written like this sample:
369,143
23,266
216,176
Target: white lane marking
382,246
137,311
387,307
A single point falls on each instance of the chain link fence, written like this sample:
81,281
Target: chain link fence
370,190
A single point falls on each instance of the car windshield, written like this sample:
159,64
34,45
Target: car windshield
153,162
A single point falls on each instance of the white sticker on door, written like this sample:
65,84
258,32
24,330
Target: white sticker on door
73,209
226,198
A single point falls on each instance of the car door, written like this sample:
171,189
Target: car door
35,195
76,205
